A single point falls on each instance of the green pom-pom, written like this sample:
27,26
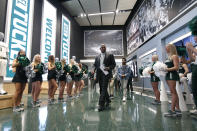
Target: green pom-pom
193,26
23,60
67,69
40,68
58,66
74,69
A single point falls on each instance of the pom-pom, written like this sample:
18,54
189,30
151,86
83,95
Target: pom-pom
160,69
23,60
67,69
146,72
58,66
74,69
85,76
68,78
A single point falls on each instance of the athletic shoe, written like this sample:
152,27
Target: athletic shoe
170,114
60,99
50,101
17,109
112,96
178,112
38,101
156,102
193,112
124,99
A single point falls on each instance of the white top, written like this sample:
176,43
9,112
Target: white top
102,59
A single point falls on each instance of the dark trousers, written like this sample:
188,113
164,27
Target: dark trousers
194,83
103,83
129,85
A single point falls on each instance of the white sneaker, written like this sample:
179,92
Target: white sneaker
16,109
193,112
124,99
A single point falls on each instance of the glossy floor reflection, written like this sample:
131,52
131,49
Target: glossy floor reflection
137,114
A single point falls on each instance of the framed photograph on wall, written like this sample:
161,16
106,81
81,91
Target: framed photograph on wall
113,39
151,17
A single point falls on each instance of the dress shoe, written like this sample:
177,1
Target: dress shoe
100,108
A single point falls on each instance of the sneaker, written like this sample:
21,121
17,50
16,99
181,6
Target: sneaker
21,104
112,96
156,102
60,99
35,104
170,114
193,112
38,101
50,101
124,99
17,109
178,112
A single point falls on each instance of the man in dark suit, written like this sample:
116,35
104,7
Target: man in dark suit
103,65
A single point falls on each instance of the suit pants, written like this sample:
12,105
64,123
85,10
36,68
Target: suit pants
103,83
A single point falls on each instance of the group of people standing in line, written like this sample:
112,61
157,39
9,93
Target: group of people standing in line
69,75
177,68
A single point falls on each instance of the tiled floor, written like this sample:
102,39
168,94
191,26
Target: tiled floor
137,114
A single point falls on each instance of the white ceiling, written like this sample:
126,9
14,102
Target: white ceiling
78,7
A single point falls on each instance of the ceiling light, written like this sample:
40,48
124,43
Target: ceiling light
100,13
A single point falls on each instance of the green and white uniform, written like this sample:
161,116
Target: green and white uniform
171,75
153,77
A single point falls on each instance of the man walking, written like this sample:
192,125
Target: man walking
104,64
124,73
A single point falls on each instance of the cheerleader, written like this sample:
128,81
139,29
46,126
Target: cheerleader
83,71
77,78
71,81
62,80
37,79
171,77
51,79
155,81
20,80
192,52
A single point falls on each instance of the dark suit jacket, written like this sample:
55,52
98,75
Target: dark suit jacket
109,61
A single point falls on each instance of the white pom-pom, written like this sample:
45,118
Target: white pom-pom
160,69
68,78
146,72
189,76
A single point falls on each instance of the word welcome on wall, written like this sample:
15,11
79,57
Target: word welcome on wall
18,29
65,39
48,33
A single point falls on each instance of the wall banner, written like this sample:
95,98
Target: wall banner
65,39
48,32
18,29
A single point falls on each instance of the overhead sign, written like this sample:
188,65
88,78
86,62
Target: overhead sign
48,33
65,39
18,29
